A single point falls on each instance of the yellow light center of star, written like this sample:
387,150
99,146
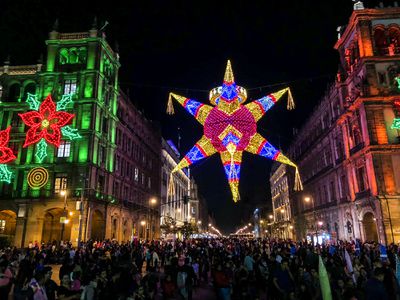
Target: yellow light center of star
45,123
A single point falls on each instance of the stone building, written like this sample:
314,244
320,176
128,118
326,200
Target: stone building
81,197
348,151
173,206
282,215
137,171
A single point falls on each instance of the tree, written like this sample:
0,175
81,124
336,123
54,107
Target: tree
188,229
169,225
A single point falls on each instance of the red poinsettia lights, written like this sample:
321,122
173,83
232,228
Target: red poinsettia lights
45,123
6,154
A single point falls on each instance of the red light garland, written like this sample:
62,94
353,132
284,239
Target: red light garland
6,153
46,123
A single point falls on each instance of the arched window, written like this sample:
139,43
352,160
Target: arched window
29,88
357,138
380,41
73,56
64,56
13,92
394,39
349,227
82,55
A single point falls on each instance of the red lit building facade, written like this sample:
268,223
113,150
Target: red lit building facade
137,173
348,151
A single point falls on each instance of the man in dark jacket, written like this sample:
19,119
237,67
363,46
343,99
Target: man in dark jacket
374,288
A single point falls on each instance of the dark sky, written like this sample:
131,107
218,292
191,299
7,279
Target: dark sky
183,46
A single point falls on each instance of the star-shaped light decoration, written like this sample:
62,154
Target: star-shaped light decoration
45,126
231,128
6,155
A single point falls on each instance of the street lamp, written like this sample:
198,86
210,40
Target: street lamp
64,217
143,223
309,199
152,202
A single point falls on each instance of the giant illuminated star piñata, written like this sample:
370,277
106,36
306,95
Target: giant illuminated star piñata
230,128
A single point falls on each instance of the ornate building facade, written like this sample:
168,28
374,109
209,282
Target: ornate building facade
349,149
137,170
173,206
282,214
82,197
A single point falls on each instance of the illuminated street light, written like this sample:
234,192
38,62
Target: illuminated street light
143,223
153,201
291,226
71,213
282,211
249,224
262,221
271,217
307,199
63,192
320,223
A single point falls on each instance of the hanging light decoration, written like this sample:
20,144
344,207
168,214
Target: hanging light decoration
231,128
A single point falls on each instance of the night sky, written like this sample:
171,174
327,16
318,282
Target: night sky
183,46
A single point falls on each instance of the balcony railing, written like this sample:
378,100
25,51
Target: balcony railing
357,148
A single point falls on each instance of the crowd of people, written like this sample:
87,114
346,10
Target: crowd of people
230,268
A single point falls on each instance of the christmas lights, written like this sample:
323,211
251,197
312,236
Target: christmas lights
48,124
33,101
41,150
395,124
70,133
5,174
6,155
45,123
230,128
38,178
65,100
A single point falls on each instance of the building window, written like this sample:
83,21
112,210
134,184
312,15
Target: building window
343,185
100,183
143,178
64,150
136,174
2,226
70,86
193,210
360,174
117,162
60,183
149,182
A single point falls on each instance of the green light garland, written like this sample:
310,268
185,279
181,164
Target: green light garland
5,174
41,152
396,123
33,101
71,133
65,100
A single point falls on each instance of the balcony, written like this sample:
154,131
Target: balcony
357,148
363,194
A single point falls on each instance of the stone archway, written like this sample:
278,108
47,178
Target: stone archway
369,226
97,230
8,221
53,229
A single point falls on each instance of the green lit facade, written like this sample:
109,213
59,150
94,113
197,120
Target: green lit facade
82,64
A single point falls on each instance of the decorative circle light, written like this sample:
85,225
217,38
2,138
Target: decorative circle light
38,177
